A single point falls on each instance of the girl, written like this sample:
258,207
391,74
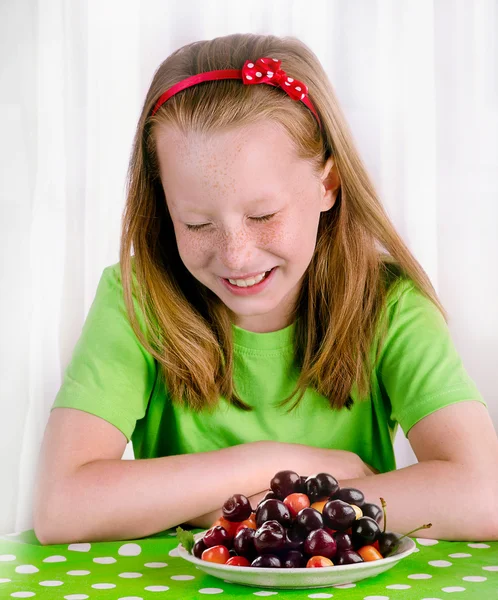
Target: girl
270,318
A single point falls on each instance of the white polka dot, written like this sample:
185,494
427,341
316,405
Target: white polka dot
259,74
76,597
104,560
298,89
320,596
286,83
459,555
79,547
26,569
157,588
420,576
269,73
492,568
454,588
7,557
475,578
290,79
78,573
103,586
156,565
22,595
211,591
130,575
265,593
376,598
130,550
427,541
50,583
5,580
248,77
173,552
250,65
398,586
182,577
478,545
344,586
55,559
440,563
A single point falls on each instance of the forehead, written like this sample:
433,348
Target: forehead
250,162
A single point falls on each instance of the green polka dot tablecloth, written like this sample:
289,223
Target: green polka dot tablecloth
150,568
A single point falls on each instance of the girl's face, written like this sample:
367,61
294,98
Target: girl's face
243,203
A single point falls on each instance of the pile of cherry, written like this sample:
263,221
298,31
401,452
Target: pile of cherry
301,522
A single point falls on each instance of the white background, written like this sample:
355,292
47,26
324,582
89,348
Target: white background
417,80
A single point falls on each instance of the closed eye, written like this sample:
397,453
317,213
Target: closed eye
259,219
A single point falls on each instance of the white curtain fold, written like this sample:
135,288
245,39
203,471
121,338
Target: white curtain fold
417,80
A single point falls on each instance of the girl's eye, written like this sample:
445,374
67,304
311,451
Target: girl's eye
259,219
195,227
265,218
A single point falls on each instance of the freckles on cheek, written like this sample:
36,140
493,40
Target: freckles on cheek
272,234
192,249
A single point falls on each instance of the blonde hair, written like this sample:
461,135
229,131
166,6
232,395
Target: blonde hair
358,253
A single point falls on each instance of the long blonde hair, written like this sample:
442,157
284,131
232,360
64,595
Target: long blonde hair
358,253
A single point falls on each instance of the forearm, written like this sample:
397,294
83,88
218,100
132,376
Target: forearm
127,499
338,463
446,494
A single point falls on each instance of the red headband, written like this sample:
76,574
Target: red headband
264,70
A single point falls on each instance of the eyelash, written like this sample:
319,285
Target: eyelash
259,219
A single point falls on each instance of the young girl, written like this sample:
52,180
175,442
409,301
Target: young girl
270,318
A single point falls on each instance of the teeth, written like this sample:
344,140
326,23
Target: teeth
247,282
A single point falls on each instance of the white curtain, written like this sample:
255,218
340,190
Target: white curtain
417,79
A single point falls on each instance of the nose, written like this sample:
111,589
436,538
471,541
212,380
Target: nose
235,251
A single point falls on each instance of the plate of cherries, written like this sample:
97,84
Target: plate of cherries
306,532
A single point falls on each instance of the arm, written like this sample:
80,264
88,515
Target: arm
338,460
455,484
85,492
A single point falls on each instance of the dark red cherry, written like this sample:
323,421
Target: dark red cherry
237,508
273,510
284,483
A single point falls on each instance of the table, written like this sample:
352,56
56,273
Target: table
149,568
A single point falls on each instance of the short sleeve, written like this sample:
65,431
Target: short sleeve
419,367
110,374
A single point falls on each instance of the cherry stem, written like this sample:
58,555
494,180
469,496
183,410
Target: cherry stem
395,546
383,502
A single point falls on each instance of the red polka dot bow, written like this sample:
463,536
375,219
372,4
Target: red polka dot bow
267,70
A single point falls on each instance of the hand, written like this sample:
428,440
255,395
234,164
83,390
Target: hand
307,460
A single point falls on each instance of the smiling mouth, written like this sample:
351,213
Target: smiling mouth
250,281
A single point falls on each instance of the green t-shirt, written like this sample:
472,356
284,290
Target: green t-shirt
418,371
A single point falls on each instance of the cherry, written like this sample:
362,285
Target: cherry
273,510
237,508
320,543
349,495
294,560
284,483
348,557
269,538
338,515
321,486
267,561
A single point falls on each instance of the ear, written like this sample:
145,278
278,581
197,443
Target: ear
331,184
